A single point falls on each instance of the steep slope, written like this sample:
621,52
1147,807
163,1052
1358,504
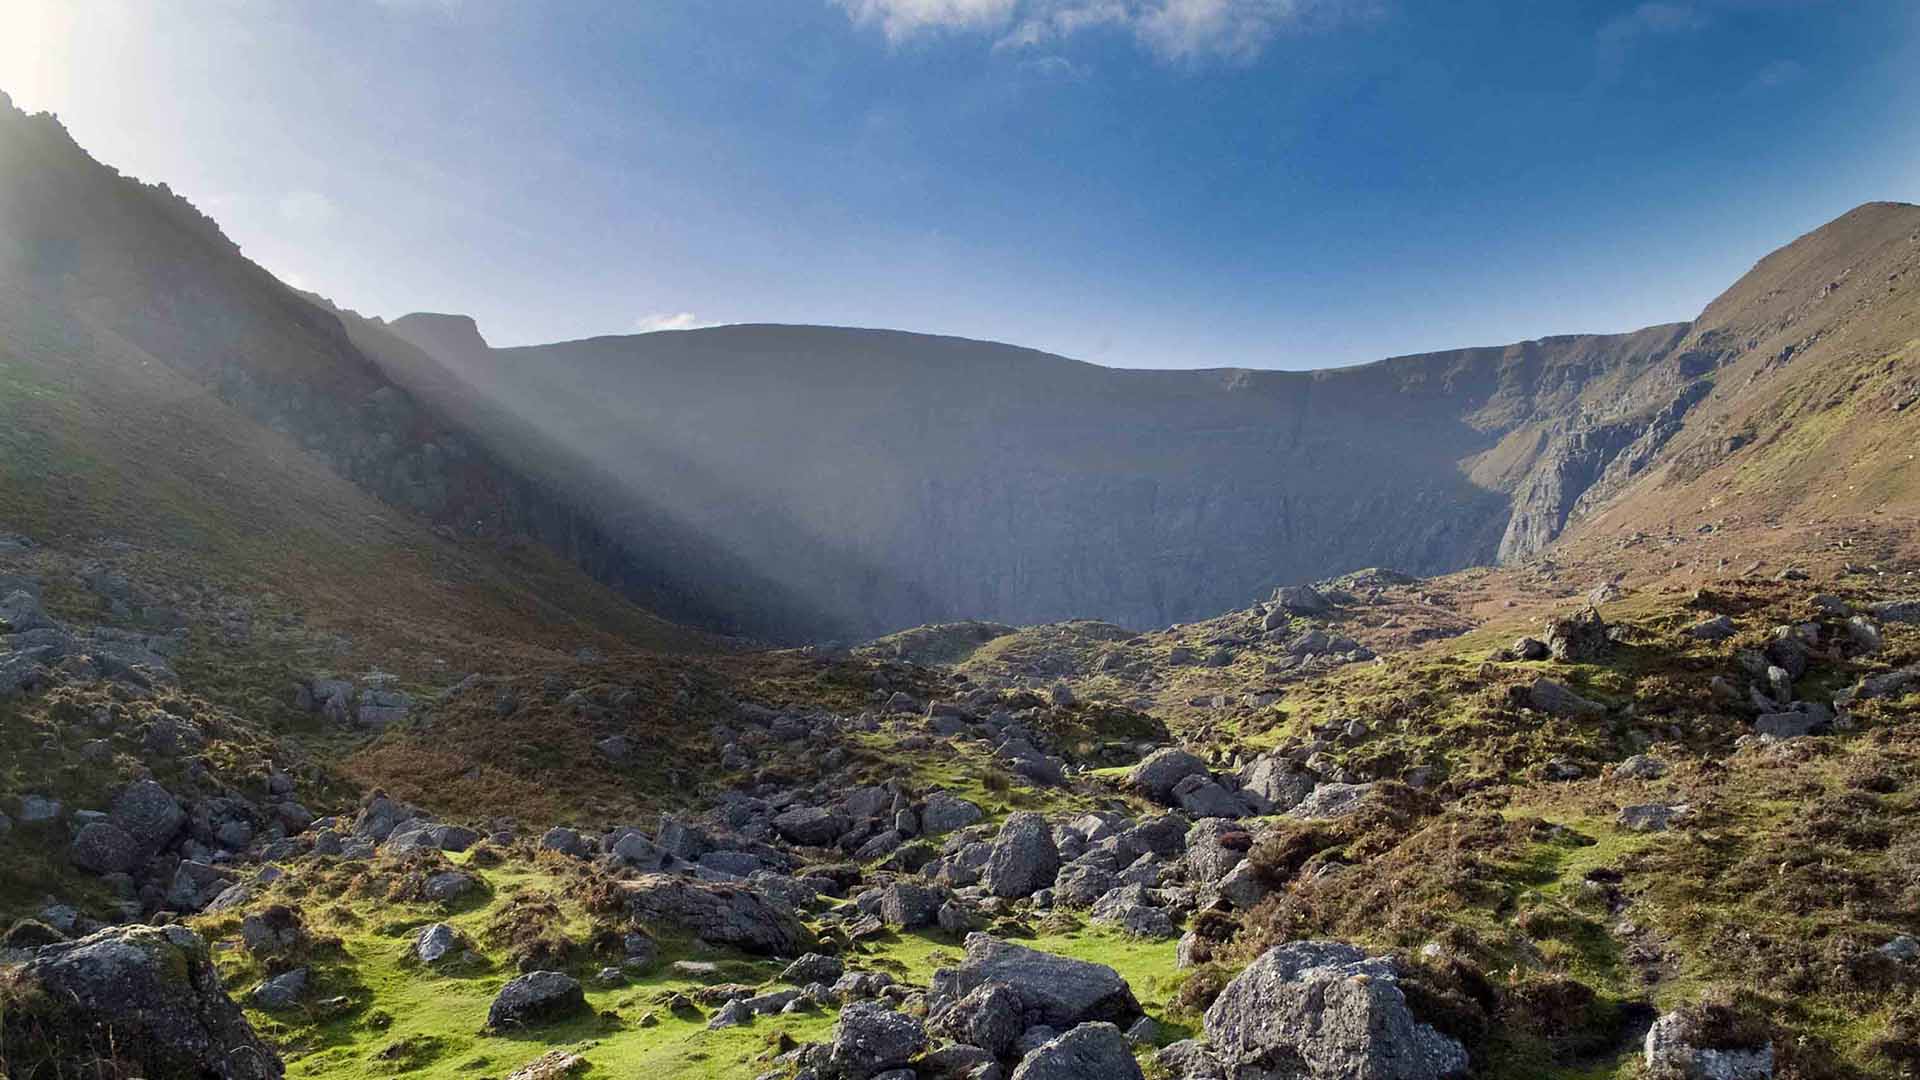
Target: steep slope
167,404
893,479
1809,406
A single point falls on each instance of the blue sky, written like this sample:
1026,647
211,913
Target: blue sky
1165,183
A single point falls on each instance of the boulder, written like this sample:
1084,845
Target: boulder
1331,801
1201,797
1156,776
1718,628
280,992
148,813
1274,784
944,813
1058,991
1557,699
537,997
869,1039
1302,600
102,847
717,913
810,826
148,995
566,842
1676,1046
1095,1051
1024,857
909,906
436,942
1131,908
990,1016
813,968
1326,1011
1651,817
1577,638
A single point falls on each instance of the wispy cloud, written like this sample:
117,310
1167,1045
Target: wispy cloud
1174,30
1775,75
1614,42
669,320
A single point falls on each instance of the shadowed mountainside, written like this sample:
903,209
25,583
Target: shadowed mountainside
896,479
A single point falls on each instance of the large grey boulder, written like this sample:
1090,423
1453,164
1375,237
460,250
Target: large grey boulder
1089,1052
1674,1048
720,914
537,997
1131,908
1057,991
1156,776
810,826
1557,699
1024,858
149,813
910,906
1331,801
944,813
1275,784
1302,600
1323,1010
990,1016
870,1039
1201,797
1578,637
148,995
102,847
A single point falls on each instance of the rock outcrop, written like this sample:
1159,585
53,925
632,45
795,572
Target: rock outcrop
144,999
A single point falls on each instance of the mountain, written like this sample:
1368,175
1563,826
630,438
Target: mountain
892,479
898,479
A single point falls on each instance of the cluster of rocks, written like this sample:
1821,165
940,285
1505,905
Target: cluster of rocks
371,701
1314,1010
1005,1011
1300,779
38,651
1774,671
158,851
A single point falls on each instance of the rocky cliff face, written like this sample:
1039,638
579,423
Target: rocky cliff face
894,479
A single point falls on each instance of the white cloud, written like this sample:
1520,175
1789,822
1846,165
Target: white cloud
307,208
901,19
1616,39
1174,30
669,320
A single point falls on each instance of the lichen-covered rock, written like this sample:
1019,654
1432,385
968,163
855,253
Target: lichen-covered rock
990,1016
148,813
102,847
1326,1011
1577,638
537,997
1678,1046
717,913
945,813
1156,776
1024,857
869,1039
144,999
1095,1051
1057,991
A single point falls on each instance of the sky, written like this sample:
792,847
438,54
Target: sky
1139,183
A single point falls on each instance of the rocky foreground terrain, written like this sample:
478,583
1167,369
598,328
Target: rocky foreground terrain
1644,828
